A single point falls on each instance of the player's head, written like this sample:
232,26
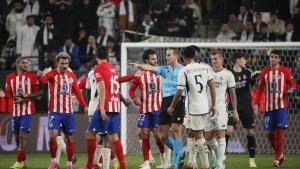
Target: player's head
239,59
275,57
216,58
189,53
93,64
172,55
63,60
22,64
30,20
150,57
101,54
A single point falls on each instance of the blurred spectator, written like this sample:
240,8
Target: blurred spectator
276,25
73,51
225,34
9,54
293,4
258,22
26,42
102,36
244,14
89,51
197,17
87,16
296,19
106,16
82,38
235,25
32,7
64,15
248,34
290,35
185,15
177,28
126,15
113,51
147,25
265,35
15,19
159,15
48,37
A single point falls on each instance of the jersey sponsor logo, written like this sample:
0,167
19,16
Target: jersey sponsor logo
152,87
64,88
20,91
274,86
26,81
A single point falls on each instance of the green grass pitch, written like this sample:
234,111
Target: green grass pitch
234,161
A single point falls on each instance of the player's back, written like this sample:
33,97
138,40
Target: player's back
196,76
107,72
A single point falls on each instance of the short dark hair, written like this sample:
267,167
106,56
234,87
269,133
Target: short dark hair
29,16
101,52
175,50
216,51
147,54
189,52
276,52
237,56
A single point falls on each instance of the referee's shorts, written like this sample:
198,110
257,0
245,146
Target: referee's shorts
177,115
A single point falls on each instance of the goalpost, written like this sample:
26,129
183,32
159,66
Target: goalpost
257,53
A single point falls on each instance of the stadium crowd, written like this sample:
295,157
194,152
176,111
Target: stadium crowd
36,28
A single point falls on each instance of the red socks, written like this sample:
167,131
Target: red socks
160,145
53,148
145,149
90,147
280,141
70,151
119,151
20,155
272,139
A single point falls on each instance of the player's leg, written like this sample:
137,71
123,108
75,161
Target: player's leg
15,128
144,133
113,129
25,126
270,131
68,128
61,146
54,121
231,126
213,144
281,119
100,140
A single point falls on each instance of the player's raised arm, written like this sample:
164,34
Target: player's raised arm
146,67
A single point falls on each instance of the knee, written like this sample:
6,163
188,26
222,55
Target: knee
90,135
201,144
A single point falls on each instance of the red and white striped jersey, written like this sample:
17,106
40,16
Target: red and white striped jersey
107,72
17,85
60,89
150,91
275,83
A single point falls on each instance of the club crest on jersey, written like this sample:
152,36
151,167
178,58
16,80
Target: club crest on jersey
20,91
69,80
26,81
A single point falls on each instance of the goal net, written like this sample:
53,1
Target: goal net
257,56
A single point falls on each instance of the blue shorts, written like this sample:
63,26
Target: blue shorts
110,126
148,120
64,121
21,124
276,119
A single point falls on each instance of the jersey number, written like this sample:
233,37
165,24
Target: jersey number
197,80
114,85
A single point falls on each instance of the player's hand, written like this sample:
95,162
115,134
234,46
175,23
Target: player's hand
85,109
256,109
104,116
134,65
18,100
170,110
235,116
137,102
39,73
255,74
2,94
212,111
290,90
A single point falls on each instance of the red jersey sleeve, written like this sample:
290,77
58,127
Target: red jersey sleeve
289,79
8,88
35,83
82,83
260,87
126,78
45,78
132,88
98,74
76,91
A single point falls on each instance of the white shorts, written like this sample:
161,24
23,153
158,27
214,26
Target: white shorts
187,121
218,121
197,122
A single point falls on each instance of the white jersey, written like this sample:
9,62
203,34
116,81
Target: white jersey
223,79
92,85
194,77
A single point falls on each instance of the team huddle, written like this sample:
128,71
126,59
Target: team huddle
193,95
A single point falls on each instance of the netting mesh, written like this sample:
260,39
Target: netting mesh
257,59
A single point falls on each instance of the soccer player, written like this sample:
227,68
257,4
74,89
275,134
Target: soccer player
217,124
274,81
149,102
106,119
243,79
169,74
22,87
62,83
195,78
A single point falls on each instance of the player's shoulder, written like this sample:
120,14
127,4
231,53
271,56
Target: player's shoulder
10,75
31,74
91,73
226,71
284,69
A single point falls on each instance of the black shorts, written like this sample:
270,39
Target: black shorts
178,113
247,117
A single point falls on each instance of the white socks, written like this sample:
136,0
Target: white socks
214,145
221,151
203,151
61,147
97,154
105,152
191,150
